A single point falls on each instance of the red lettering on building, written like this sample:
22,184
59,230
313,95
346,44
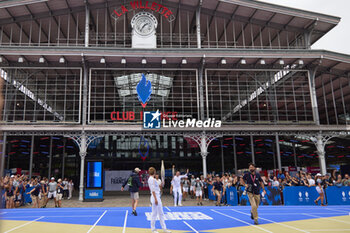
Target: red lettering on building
154,6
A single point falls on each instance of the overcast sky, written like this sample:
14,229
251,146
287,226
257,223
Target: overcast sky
338,39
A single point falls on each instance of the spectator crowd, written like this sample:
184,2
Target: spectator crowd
280,180
20,190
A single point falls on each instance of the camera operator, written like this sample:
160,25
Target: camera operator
252,182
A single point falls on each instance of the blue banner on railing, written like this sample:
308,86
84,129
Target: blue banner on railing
27,197
272,197
299,195
231,196
210,193
338,195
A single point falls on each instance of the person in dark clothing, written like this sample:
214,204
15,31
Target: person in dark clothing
252,182
134,184
217,190
34,194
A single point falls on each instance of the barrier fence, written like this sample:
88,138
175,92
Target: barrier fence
297,195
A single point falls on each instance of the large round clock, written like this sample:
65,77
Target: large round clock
144,23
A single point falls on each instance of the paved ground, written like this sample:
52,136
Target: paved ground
118,199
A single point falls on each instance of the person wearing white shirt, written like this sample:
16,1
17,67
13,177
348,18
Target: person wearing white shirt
176,187
160,183
157,206
70,189
310,180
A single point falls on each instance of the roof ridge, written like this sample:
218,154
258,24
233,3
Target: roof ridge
286,10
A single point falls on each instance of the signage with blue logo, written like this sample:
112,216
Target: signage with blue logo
299,195
93,194
151,120
94,174
272,197
144,90
232,197
338,195
94,181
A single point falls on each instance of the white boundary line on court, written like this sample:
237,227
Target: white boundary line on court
3,212
167,208
330,219
190,227
63,216
97,221
285,225
126,218
242,221
15,228
58,211
331,230
340,211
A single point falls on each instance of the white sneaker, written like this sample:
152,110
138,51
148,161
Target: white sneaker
166,231
154,231
180,204
175,205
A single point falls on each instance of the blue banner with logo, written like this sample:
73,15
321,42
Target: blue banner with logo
338,195
91,194
272,197
231,196
300,195
210,193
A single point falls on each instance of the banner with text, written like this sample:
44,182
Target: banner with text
115,179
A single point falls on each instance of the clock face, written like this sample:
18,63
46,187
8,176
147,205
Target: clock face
144,25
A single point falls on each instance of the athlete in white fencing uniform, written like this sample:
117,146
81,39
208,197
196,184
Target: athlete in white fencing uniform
157,206
176,187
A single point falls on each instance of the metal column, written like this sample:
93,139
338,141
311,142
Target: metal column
87,22
3,152
204,153
31,158
312,86
198,25
235,155
222,156
63,157
278,153
320,144
50,159
82,154
252,148
295,156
